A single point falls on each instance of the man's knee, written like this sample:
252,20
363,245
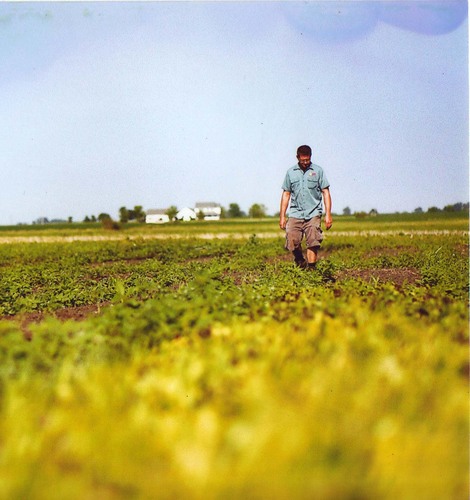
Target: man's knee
293,243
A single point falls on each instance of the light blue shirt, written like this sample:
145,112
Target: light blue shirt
306,191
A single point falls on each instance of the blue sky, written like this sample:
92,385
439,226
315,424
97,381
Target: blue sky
170,103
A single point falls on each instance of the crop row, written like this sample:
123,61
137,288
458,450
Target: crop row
39,277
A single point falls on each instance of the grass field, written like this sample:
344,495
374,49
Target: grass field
401,222
194,361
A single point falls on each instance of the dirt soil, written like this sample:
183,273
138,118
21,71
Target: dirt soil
78,313
396,276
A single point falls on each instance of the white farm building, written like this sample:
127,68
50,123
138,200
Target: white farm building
157,216
186,214
211,210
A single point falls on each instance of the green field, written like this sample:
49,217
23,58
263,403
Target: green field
442,221
194,361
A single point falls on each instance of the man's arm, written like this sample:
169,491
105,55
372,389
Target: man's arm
282,212
327,203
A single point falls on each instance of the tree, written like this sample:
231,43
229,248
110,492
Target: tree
103,217
171,212
139,214
433,209
418,210
70,220
346,211
234,210
257,211
200,215
123,215
127,214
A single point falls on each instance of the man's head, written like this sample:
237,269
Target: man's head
304,155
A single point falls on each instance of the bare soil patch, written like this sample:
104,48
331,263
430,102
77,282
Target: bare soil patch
462,250
77,313
397,276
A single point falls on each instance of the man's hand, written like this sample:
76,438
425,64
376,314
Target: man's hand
283,209
328,221
327,202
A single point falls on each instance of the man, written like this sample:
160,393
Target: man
304,187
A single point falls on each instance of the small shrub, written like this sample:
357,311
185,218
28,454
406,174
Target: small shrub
110,224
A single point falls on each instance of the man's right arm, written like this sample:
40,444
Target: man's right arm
283,210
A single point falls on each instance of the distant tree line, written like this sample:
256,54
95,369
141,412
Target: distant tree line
137,214
100,218
456,207
256,211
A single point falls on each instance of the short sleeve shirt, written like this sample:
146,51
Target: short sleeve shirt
306,191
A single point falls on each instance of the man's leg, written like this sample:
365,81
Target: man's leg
312,257
299,258
294,234
314,236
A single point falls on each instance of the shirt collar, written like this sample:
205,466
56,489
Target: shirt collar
297,167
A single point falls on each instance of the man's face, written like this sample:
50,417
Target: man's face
304,161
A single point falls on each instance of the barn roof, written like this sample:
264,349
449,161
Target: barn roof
157,211
207,204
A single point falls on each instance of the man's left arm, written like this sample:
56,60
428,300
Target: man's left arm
327,203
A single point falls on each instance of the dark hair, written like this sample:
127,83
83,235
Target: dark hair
304,150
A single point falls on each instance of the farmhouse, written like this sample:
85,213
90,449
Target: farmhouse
156,216
210,210
186,214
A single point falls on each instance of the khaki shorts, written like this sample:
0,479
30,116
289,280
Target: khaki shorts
297,228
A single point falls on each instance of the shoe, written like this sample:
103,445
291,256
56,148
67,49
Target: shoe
301,263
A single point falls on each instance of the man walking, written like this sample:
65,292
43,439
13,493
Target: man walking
304,187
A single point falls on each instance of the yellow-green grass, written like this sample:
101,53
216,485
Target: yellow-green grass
366,405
